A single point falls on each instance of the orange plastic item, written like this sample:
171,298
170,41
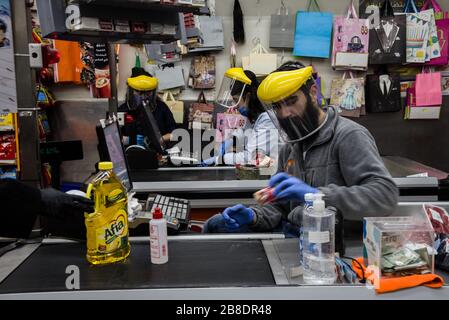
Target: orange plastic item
70,65
395,284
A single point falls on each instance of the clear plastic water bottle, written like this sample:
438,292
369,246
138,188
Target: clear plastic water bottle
319,244
309,198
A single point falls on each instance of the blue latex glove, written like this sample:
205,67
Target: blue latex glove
238,216
225,147
208,162
289,188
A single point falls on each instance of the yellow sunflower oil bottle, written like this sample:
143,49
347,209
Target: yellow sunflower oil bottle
107,227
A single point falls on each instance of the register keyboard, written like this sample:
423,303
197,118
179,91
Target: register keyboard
171,207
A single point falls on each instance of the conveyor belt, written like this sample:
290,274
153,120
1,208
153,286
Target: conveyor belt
192,265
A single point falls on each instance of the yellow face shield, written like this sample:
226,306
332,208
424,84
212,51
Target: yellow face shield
287,98
232,88
142,91
279,86
143,83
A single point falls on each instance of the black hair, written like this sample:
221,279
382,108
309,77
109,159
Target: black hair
3,26
296,65
255,108
136,72
239,28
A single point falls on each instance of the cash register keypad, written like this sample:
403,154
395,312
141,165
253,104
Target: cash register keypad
172,207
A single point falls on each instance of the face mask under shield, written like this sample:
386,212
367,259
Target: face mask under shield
231,93
296,116
136,98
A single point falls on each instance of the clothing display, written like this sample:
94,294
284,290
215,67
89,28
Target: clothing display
388,38
383,93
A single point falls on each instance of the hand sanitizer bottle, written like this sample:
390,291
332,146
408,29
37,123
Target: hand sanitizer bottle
158,238
308,205
319,243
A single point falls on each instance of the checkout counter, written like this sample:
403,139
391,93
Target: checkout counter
218,187
219,267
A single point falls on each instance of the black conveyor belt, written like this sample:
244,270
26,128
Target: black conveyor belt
192,265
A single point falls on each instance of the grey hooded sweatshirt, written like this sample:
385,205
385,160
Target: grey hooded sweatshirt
343,162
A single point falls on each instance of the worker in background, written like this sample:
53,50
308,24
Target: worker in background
325,153
21,204
142,90
238,93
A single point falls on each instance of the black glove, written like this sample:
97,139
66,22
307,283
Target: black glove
60,205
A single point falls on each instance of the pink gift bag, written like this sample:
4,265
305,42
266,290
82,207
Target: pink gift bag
351,42
227,123
413,112
442,22
429,89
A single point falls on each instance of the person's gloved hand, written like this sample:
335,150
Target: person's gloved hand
238,216
290,188
209,162
57,204
225,146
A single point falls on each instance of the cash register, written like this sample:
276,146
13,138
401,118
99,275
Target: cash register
176,211
147,156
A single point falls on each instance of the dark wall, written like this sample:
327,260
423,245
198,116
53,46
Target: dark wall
425,141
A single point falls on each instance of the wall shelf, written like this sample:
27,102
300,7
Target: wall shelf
53,16
148,5
111,37
8,162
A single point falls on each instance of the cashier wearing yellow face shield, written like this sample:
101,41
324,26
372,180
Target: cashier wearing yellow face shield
289,96
325,153
142,91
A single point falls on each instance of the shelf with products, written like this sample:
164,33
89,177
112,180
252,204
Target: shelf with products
9,145
8,162
114,21
156,6
114,37
7,123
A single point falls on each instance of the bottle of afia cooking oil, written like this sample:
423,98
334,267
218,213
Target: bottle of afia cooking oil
107,227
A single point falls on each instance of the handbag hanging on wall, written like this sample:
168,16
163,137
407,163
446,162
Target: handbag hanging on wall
429,89
212,34
313,34
351,42
388,39
175,106
260,61
419,27
202,73
282,29
227,123
442,28
201,114
383,93
170,77
413,112
348,95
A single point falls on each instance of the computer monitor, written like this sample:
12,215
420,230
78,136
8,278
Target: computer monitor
151,129
111,149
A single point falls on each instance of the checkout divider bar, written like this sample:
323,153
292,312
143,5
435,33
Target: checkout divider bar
212,237
289,293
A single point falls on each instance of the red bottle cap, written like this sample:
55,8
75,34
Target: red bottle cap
129,119
157,215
